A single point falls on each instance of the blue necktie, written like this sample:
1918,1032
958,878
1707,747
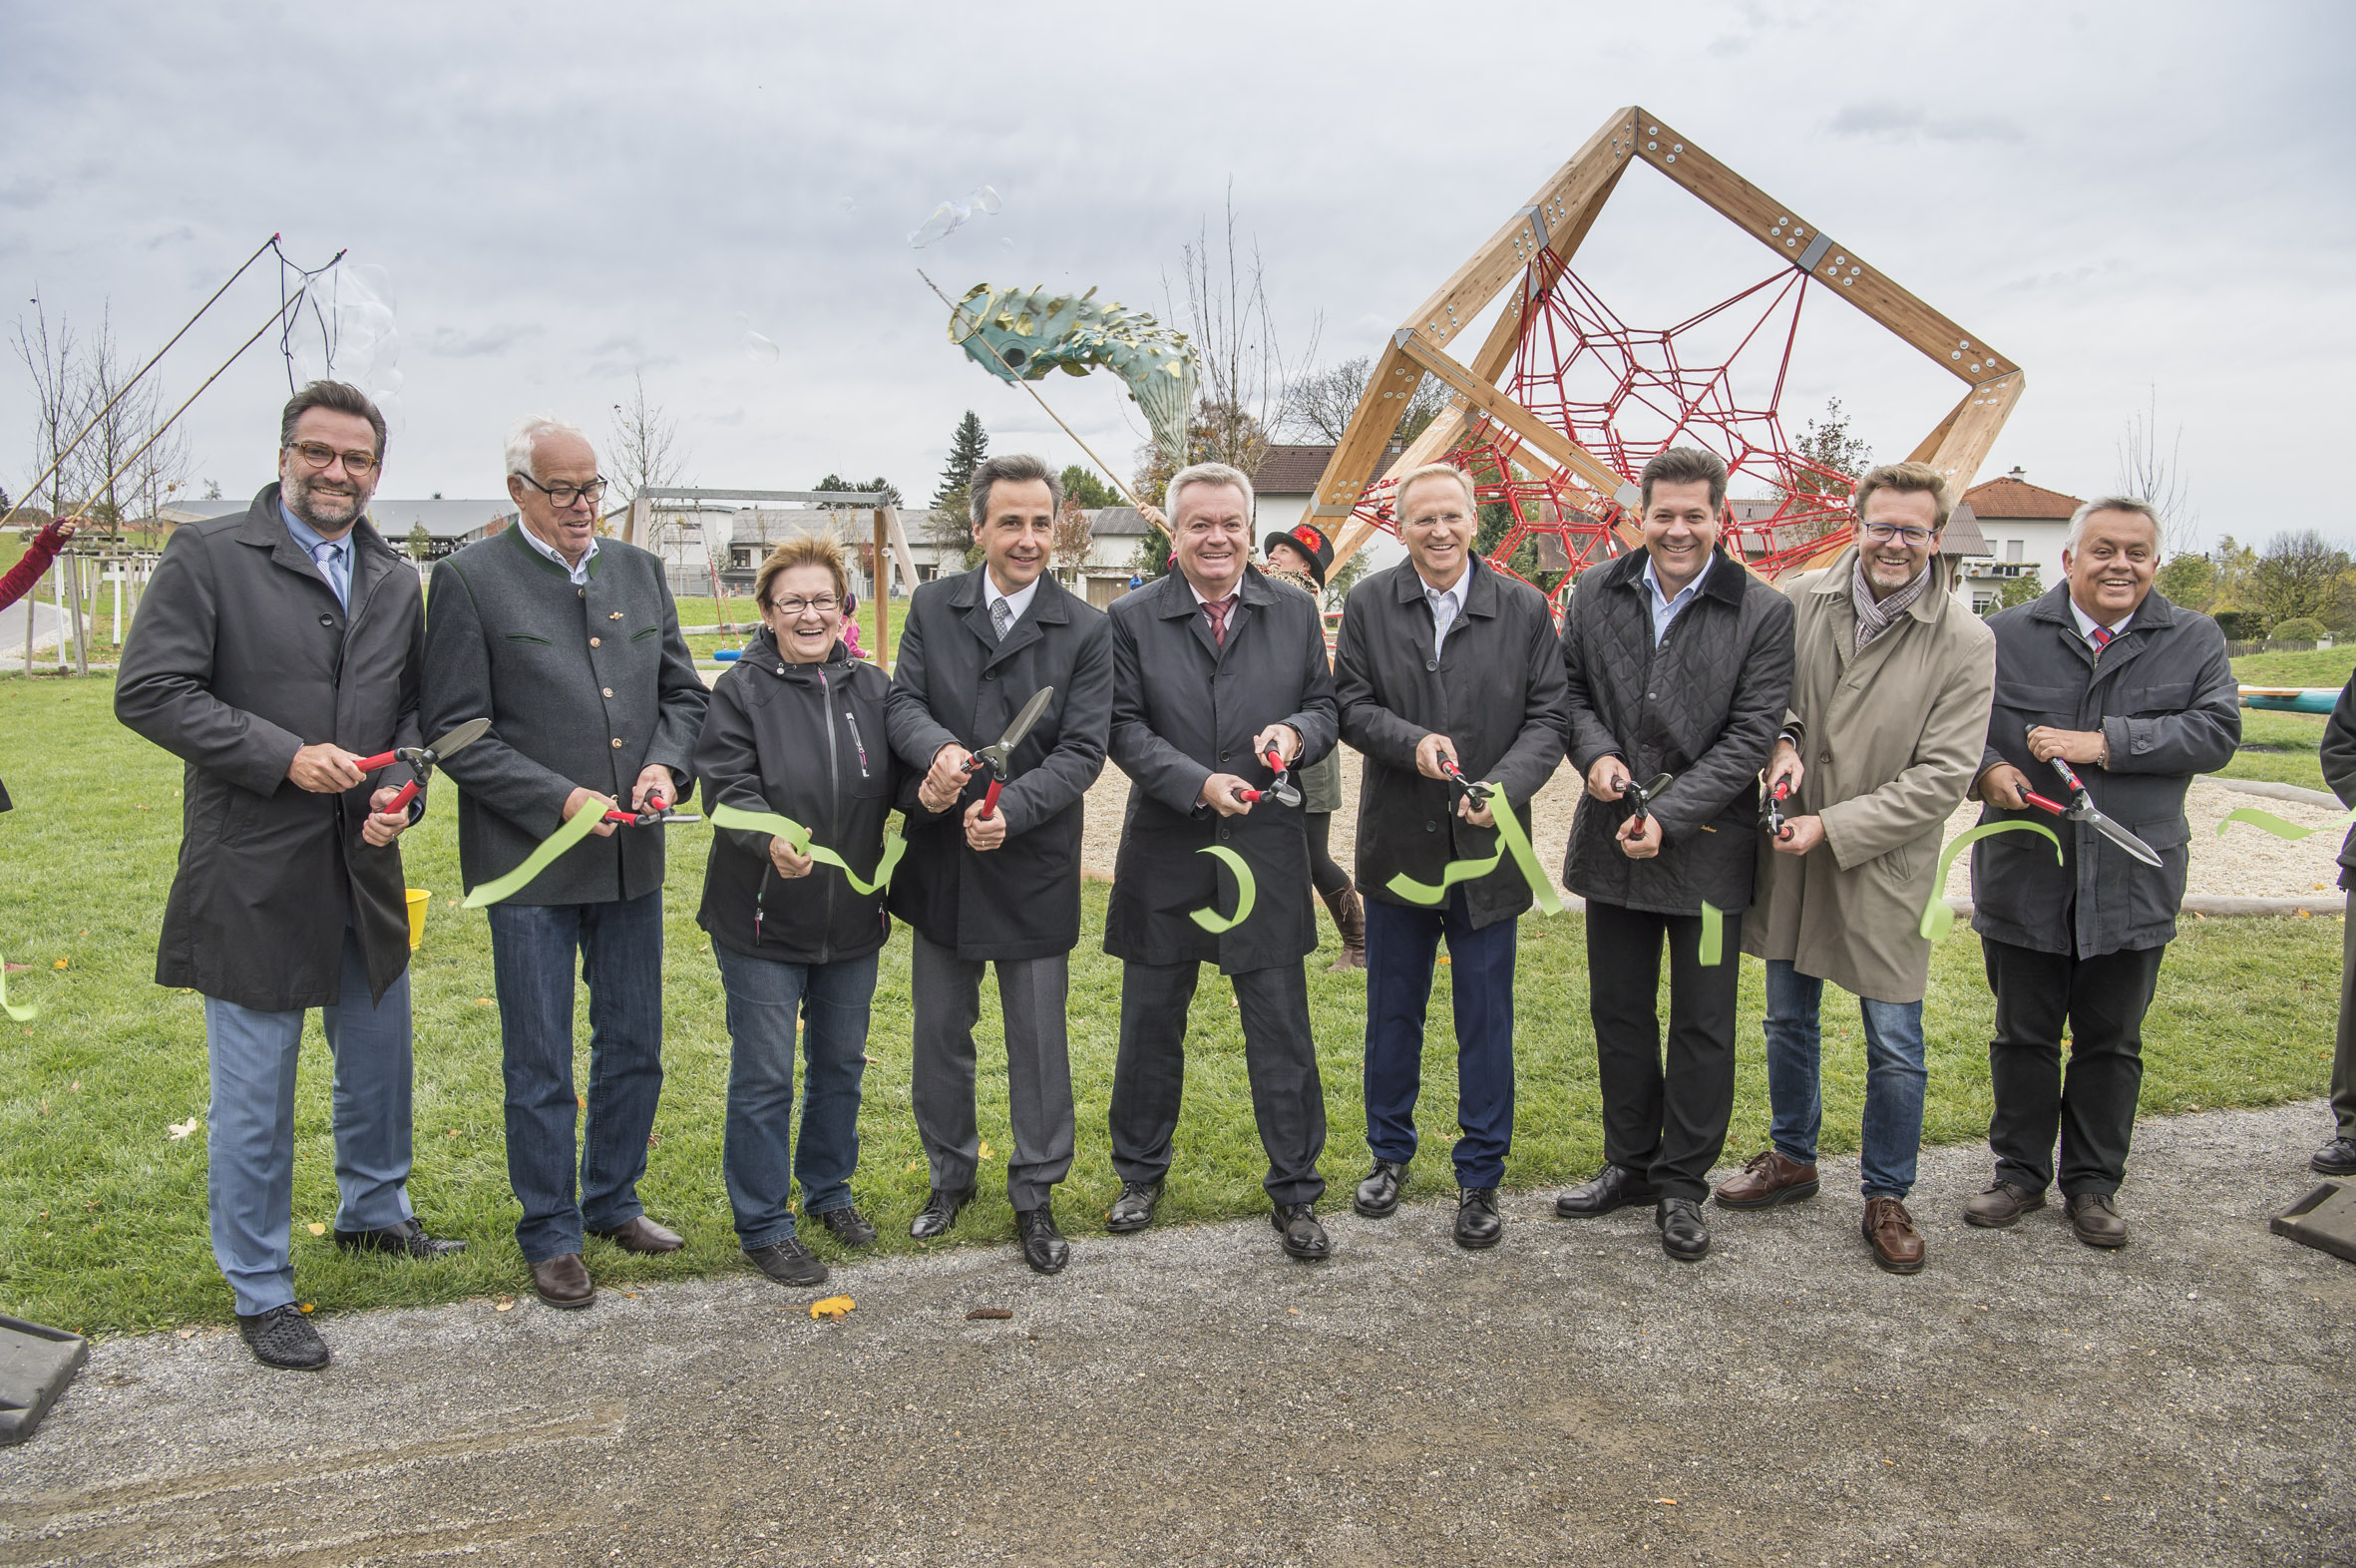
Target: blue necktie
329,556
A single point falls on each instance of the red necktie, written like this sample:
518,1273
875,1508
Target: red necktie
2102,637
1217,610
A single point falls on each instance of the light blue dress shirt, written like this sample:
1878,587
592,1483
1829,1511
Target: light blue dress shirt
1666,610
332,556
579,574
1445,608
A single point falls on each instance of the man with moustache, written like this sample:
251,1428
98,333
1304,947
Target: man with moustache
1890,707
1679,663
570,644
1443,662
2137,694
1001,889
274,650
1214,666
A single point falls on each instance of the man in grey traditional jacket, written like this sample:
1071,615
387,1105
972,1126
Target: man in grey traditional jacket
570,644
275,651
1890,689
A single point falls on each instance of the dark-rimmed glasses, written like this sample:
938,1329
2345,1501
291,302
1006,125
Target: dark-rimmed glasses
318,454
1883,533
564,496
795,608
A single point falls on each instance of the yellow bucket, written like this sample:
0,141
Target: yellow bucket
419,898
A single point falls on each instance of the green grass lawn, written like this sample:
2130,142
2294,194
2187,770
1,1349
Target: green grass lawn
2314,668
2282,748
102,1214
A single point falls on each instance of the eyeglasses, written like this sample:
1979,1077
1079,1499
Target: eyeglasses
1883,533
563,497
1437,519
795,608
318,454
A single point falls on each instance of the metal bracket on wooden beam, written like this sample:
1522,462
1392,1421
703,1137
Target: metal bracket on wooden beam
1815,251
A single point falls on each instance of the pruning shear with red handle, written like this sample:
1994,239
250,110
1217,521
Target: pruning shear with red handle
2081,809
1477,793
1283,788
1000,757
1777,826
658,810
422,759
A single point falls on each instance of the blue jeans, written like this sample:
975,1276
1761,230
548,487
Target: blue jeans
1401,942
1894,1078
760,1158
249,1135
533,947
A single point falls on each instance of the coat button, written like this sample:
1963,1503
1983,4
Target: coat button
607,690
618,743
580,593
592,642
1223,756
1223,834
1432,663
990,675
1431,827
326,620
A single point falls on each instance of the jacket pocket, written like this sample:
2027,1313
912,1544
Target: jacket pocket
527,637
644,633
2170,696
2057,702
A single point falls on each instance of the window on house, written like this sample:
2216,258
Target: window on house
2012,549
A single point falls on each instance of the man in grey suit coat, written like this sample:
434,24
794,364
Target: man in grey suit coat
571,645
274,650
1007,890
1212,667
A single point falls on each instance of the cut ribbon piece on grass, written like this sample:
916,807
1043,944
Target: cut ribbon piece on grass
1711,950
1511,840
577,827
1937,919
795,833
24,1014
2280,827
1247,893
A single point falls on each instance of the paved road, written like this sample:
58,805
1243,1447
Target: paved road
1193,1397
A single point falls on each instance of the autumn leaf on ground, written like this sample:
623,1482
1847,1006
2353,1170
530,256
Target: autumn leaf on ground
61,964
986,1151
504,1303
180,1129
834,1307
989,1313
310,1307
316,1229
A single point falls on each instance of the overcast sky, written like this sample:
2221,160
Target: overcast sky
2127,200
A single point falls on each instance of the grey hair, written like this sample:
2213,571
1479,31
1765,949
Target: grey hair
526,435
1016,468
2134,504
1204,474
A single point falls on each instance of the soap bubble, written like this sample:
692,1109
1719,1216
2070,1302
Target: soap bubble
761,348
949,216
848,204
343,327
1006,242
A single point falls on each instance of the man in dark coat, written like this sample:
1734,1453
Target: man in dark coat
1443,661
2338,1156
273,650
1679,664
1213,665
1003,890
570,644
2137,694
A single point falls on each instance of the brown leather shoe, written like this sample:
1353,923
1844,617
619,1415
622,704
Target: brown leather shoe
642,1235
2001,1205
563,1281
1890,1232
2095,1217
1768,1180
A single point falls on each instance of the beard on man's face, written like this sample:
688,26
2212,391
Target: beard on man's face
327,505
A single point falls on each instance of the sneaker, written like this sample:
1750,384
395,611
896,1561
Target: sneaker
283,1338
788,1262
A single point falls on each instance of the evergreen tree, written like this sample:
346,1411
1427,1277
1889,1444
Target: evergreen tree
873,487
967,447
1081,485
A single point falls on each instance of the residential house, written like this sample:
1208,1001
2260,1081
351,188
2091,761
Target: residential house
2023,526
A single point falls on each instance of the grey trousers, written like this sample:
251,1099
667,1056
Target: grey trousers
2343,1061
947,1001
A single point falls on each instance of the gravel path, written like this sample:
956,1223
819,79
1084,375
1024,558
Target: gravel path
1190,1396
2247,863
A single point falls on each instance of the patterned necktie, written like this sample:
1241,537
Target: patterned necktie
327,555
1002,616
1217,610
2102,639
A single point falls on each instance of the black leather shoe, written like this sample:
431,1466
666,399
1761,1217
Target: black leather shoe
1133,1209
1305,1239
1378,1196
788,1262
847,1224
1614,1187
939,1213
283,1338
406,1239
1685,1234
1043,1245
1478,1224
2336,1158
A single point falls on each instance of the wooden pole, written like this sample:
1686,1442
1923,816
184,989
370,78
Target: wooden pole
57,604
32,602
81,630
879,587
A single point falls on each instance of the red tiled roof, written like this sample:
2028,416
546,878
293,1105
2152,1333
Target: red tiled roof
2017,499
1295,469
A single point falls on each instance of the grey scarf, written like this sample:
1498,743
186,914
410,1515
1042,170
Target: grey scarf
1875,616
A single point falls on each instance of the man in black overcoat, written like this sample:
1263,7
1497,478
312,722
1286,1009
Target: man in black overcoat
1006,889
274,650
1679,661
1212,665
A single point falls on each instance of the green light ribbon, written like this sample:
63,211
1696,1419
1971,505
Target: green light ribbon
1510,841
24,1014
1937,919
795,833
2280,827
577,827
1247,892
1712,948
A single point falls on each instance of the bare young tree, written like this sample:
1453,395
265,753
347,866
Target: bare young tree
140,469
644,452
1318,405
1234,333
60,402
2151,469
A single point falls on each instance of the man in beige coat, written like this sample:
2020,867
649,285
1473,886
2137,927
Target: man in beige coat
1890,715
